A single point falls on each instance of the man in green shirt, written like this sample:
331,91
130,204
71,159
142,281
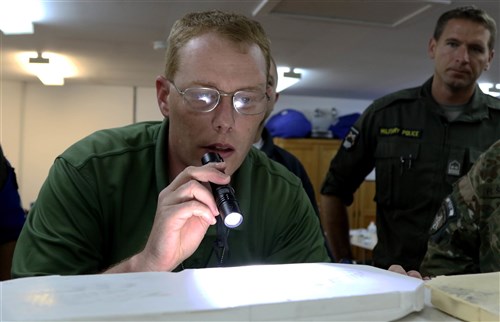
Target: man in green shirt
137,198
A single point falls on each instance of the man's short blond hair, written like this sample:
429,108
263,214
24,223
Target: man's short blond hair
234,27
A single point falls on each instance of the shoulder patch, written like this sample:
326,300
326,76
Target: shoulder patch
351,138
446,211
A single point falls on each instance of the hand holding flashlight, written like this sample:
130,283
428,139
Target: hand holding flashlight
227,204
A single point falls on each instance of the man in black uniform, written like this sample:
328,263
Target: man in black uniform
264,142
420,141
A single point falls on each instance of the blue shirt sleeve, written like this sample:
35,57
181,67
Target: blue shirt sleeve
12,215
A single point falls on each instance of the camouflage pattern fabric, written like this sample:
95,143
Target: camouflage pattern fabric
465,235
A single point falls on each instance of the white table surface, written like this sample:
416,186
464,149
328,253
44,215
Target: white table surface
323,291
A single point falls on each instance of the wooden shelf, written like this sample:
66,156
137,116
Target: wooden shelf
316,155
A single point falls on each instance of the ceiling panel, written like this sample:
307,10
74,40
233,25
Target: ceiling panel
348,49
390,14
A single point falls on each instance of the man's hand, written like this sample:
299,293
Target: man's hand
399,269
185,210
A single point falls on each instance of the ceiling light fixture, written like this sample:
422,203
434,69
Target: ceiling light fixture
490,88
17,17
287,77
39,59
50,68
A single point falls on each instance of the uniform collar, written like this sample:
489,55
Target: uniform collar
475,110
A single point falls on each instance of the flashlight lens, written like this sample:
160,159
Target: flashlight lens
233,220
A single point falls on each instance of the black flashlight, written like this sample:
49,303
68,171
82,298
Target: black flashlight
224,196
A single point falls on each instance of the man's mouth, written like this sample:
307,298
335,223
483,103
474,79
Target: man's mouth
223,149
219,147
460,71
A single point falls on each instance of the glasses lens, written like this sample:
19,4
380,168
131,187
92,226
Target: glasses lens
201,99
248,102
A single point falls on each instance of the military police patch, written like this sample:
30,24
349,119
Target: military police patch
447,210
351,138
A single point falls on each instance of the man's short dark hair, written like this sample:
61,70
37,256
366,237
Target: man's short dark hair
468,13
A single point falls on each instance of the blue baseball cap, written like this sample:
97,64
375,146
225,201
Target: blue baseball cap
289,123
343,125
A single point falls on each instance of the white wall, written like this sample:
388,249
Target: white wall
11,111
147,106
308,104
50,119
37,123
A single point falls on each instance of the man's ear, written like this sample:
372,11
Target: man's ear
431,49
162,91
492,54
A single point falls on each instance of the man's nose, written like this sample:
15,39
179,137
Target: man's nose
223,120
463,54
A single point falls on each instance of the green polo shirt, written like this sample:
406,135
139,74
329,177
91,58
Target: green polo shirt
98,203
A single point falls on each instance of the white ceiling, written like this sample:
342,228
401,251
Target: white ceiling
348,48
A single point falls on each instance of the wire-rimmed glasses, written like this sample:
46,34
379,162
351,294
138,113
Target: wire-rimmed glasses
206,99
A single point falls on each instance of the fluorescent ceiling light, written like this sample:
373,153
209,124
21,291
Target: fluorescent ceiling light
491,89
287,77
50,79
17,16
50,68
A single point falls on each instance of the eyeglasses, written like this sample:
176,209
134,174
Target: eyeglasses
206,99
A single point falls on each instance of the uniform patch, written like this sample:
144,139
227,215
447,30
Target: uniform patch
395,130
454,168
351,138
446,211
